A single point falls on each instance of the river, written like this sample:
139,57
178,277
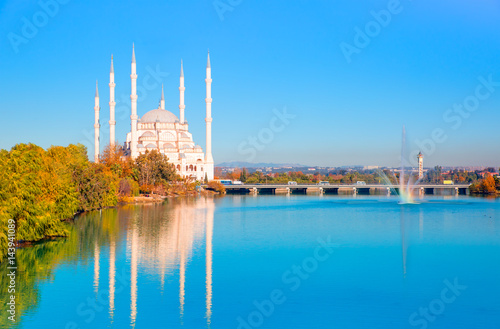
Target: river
268,262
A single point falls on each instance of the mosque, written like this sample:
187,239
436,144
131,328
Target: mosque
161,130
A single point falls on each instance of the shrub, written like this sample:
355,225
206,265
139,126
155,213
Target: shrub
217,187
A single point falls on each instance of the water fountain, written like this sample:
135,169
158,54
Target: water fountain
406,189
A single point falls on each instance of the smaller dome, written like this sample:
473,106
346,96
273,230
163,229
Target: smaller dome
140,146
151,146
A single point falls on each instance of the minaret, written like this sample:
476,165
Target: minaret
133,116
96,125
420,158
112,104
209,161
181,96
162,101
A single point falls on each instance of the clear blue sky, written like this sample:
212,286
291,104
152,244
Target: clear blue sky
266,55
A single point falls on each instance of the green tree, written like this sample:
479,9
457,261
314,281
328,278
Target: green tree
97,186
36,189
243,175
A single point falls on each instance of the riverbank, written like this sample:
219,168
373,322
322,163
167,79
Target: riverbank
155,198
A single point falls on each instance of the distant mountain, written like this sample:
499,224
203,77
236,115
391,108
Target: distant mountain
240,164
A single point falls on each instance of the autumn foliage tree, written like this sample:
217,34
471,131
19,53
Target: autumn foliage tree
153,169
115,160
486,186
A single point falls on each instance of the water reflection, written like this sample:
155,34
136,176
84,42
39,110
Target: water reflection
96,267
112,273
145,242
161,238
403,240
133,274
208,239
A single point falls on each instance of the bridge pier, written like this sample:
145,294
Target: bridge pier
388,191
355,191
421,192
463,191
255,191
363,190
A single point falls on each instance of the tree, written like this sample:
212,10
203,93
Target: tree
153,169
243,175
114,159
97,186
37,190
488,184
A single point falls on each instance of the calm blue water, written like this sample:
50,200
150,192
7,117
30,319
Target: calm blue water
276,262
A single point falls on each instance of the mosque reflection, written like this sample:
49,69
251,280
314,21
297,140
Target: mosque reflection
159,241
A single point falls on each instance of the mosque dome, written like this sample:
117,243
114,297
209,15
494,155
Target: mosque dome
159,115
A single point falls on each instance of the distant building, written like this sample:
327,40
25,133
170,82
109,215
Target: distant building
420,158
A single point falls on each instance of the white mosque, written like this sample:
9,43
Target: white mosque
161,130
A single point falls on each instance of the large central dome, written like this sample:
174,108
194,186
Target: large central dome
159,115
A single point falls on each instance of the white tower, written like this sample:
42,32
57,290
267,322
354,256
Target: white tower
181,96
133,116
96,125
162,101
112,104
420,165
209,161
